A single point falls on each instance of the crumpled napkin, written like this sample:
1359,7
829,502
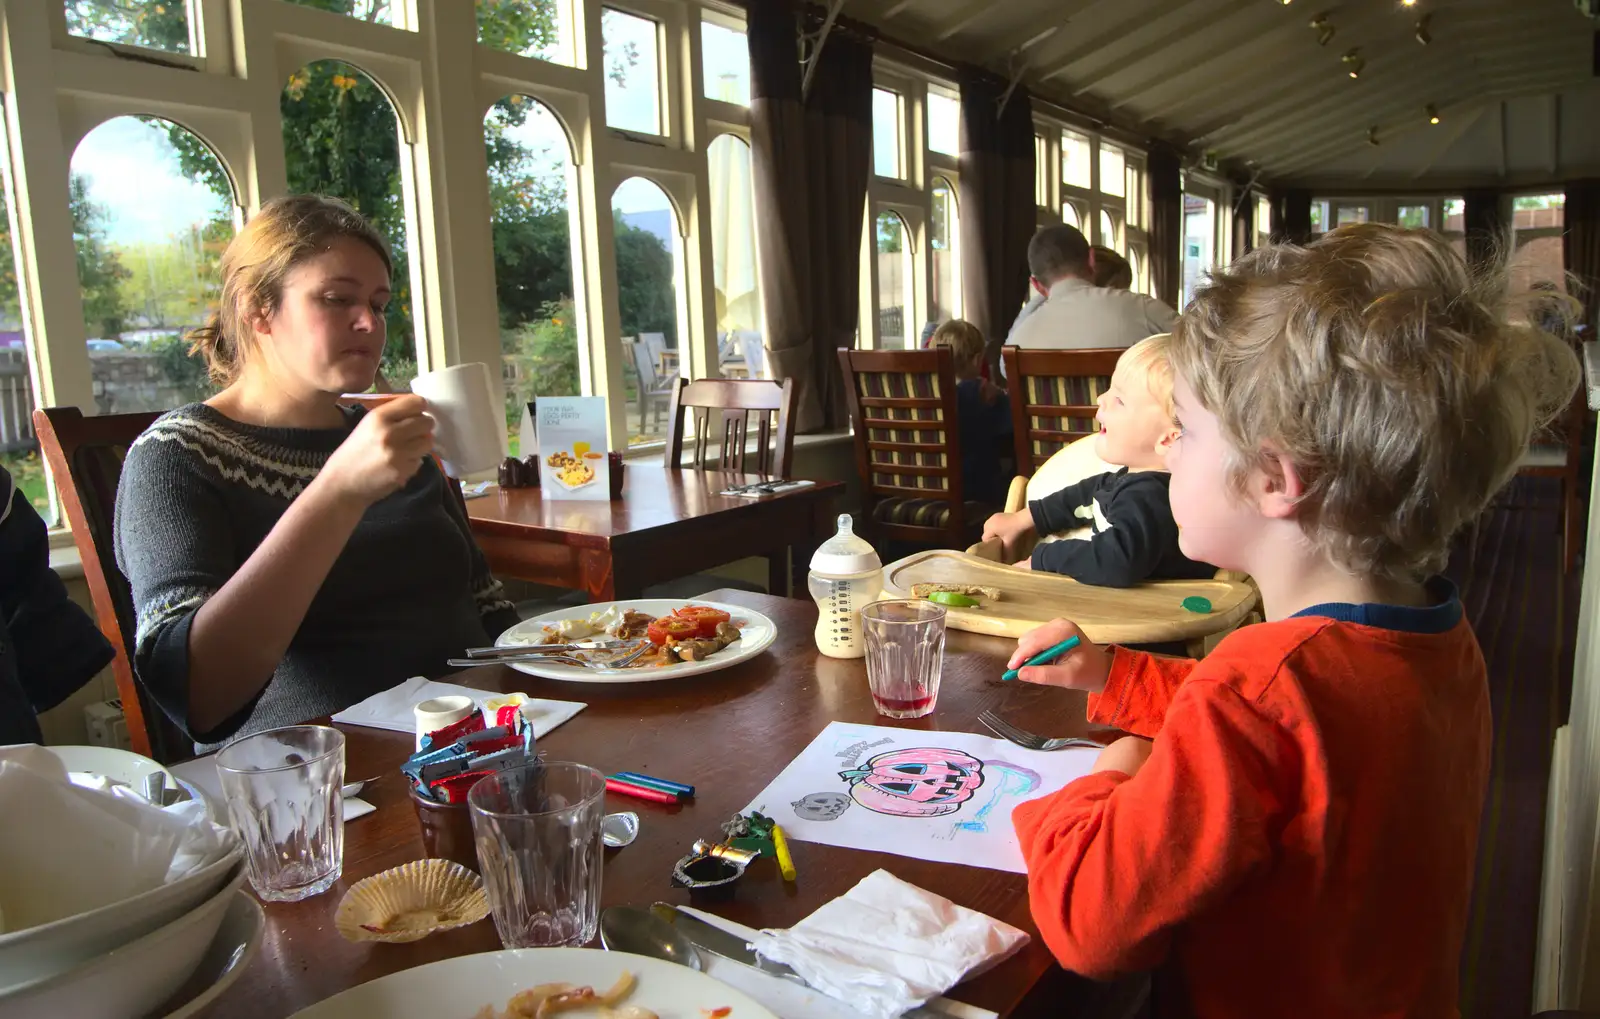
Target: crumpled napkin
392,709
887,946
66,849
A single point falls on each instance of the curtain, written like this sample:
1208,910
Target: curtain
997,206
1291,216
811,161
1581,249
1244,223
1166,223
1484,228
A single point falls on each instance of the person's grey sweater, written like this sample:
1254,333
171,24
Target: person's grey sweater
200,491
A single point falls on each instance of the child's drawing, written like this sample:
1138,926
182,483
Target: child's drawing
950,801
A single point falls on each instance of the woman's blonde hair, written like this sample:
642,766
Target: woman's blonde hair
964,339
1153,356
1402,387
286,232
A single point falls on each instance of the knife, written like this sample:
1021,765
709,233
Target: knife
711,938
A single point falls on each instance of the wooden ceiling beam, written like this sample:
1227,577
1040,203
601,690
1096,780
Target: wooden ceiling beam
1135,21
1042,30
898,8
1458,128
966,18
1214,23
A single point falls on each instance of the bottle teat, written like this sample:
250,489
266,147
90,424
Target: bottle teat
845,553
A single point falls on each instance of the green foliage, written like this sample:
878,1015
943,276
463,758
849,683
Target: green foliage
645,296
158,24
517,26
545,355
173,284
185,370
890,233
100,272
27,468
10,297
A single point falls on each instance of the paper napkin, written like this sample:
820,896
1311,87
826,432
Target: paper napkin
391,709
888,946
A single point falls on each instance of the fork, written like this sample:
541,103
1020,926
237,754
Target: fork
1029,740
615,663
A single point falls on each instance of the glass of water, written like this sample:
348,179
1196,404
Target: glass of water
538,835
905,655
282,791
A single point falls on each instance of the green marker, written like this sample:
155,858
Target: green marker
1197,604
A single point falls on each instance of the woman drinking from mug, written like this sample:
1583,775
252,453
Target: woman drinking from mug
289,556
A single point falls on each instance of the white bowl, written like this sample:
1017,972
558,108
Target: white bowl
118,765
230,952
130,981
35,953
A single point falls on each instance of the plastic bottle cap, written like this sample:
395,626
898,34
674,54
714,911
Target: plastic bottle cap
845,554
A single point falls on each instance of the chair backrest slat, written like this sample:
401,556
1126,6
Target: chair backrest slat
722,409
1053,398
85,455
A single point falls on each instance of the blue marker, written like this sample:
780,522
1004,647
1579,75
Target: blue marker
1044,657
659,783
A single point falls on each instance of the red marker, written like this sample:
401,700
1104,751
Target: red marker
617,785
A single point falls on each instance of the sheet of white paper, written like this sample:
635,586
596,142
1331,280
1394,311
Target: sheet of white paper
392,708
942,796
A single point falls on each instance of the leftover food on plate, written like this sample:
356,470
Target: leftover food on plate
552,999
569,468
692,633
968,590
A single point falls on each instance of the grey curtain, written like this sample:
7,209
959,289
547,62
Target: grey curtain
997,205
1291,216
811,161
1244,224
1484,228
1166,223
1581,249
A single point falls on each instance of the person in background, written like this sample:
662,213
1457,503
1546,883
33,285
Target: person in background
1076,313
1111,270
985,412
49,646
1132,537
289,556
1291,829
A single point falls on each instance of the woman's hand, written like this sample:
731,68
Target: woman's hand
1008,527
1085,667
383,452
1126,755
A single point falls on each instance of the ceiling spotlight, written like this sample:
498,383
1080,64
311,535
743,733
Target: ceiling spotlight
1324,29
1424,36
1354,62
1432,112
1372,136
1408,3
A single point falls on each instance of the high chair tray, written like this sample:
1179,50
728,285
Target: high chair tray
1147,614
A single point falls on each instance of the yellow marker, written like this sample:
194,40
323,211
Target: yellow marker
781,846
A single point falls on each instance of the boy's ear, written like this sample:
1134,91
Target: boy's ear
1278,485
1165,440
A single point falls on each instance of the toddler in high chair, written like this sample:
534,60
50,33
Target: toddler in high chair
1291,828
1132,535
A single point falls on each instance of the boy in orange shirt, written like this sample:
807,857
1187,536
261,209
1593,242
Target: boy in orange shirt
1295,835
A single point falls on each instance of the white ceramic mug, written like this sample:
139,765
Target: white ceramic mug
470,434
433,715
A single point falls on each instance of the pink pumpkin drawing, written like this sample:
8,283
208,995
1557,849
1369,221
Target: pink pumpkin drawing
918,782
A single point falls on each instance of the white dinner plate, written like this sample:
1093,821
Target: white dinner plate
457,988
230,952
757,633
121,766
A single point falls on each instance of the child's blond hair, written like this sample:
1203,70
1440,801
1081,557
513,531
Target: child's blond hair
1153,356
1391,377
964,339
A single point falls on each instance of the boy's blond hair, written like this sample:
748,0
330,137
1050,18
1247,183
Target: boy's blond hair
1391,377
1153,356
964,339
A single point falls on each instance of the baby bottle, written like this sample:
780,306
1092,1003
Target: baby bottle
846,574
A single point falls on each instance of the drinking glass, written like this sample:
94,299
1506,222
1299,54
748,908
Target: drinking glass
905,655
282,791
538,835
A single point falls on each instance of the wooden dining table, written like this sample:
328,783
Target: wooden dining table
668,524
729,733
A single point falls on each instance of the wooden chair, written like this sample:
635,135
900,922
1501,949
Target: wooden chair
908,445
654,391
1557,453
1053,394
85,457
724,406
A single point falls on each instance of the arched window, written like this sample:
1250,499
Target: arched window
1136,264
733,257
340,138
649,256
944,301
1108,231
152,210
1069,215
895,292
530,166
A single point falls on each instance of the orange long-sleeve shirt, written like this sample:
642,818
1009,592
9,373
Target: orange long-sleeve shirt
1301,840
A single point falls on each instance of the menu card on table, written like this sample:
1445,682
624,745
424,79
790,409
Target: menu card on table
572,447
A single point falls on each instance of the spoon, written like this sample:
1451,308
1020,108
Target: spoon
618,830
626,929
